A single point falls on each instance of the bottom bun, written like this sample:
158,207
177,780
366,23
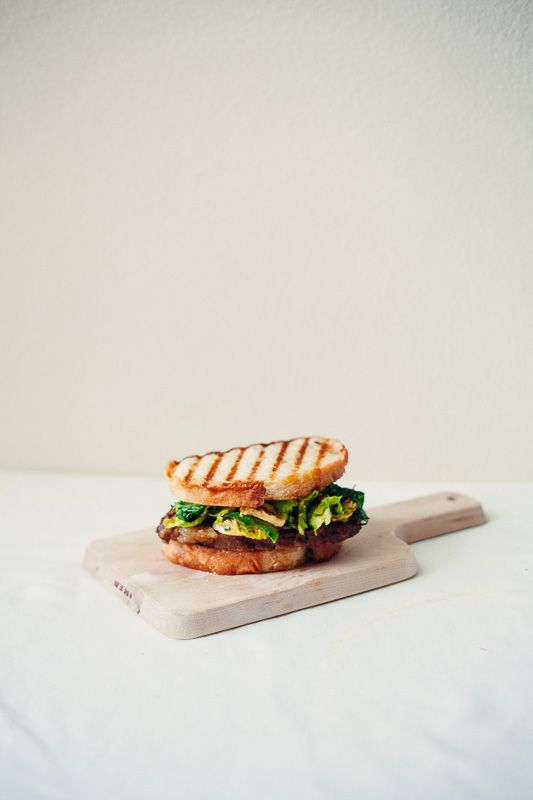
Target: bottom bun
243,562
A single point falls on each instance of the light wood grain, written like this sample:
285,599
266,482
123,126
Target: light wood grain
184,603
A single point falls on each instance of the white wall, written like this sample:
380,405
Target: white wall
234,221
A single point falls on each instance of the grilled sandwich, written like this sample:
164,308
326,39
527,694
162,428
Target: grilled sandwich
261,508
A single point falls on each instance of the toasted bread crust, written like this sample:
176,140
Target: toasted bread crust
234,494
233,562
249,476
301,485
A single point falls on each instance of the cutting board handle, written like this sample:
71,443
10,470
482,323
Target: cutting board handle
429,516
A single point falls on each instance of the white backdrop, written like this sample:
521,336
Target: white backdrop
231,222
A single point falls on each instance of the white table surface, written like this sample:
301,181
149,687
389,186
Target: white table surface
422,690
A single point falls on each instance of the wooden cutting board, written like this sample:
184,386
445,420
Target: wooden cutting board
185,603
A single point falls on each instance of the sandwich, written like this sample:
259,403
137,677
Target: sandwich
261,508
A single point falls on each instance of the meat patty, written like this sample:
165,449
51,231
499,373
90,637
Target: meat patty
207,536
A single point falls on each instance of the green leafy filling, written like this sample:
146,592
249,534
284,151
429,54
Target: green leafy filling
333,504
230,520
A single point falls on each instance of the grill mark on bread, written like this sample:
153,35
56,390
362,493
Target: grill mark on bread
171,466
279,458
255,467
322,450
235,466
212,468
191,470
300,454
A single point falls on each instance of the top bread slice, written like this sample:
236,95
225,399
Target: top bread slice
247,476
